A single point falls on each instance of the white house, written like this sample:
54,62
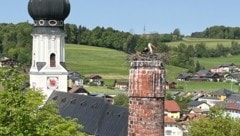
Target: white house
199,105
172,128
209,100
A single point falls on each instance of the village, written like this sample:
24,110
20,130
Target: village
176,119
44,96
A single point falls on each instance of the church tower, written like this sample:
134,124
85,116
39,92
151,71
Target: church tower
48,71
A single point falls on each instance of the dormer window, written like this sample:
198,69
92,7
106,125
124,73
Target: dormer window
52,60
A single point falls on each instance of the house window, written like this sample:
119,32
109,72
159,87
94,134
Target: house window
52,60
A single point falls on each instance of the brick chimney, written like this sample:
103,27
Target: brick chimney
146,97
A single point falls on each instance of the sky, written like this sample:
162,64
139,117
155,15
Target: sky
138,16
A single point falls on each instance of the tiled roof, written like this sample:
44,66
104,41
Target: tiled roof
169,120
195,103
197,110
94,77
234,97
78,89
184,75
203,72
171,106
96,115
223,92
233,106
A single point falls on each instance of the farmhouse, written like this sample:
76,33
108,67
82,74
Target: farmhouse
121,85
95,79
7,62
225,68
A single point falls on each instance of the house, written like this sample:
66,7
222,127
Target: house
96,115
199,104
121,85
221,94
233,109
95,79
170,85
172,109
184,76
8,62
206,75
172,128
232,106
225,68
197,95
195,111
233,77
209,100
74,79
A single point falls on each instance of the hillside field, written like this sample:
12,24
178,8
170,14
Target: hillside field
108,63
113,65
211,62
210,43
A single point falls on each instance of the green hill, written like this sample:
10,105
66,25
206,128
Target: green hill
110,64
87,60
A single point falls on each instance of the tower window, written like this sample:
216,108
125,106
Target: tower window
52,60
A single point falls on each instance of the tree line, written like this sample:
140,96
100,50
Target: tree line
16,43
16,40
218,32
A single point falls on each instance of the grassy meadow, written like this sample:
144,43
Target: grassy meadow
207,86
108,63
113,65
87,60
211,62
210,43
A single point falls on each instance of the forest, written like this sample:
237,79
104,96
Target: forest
16,42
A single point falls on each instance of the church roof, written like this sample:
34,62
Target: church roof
49,9
96,115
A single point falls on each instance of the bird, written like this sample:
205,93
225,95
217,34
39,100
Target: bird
149,48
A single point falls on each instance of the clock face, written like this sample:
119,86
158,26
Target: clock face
52,82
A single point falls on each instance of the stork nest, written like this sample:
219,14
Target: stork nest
148,57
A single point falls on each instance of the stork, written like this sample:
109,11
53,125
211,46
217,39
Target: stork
149,48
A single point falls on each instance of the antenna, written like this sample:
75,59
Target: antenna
144,29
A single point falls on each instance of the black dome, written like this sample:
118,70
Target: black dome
49,9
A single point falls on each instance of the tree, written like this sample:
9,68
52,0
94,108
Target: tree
162,47
216,124
201,50
183,101
198,66
23,112
176,32
121,100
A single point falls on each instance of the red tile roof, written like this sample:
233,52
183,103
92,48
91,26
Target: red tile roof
169,120
171,106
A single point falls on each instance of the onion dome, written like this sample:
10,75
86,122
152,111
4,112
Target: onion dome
49,12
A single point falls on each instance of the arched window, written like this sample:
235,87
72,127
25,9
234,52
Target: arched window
52,60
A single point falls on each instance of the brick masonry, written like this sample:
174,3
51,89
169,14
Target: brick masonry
146,99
